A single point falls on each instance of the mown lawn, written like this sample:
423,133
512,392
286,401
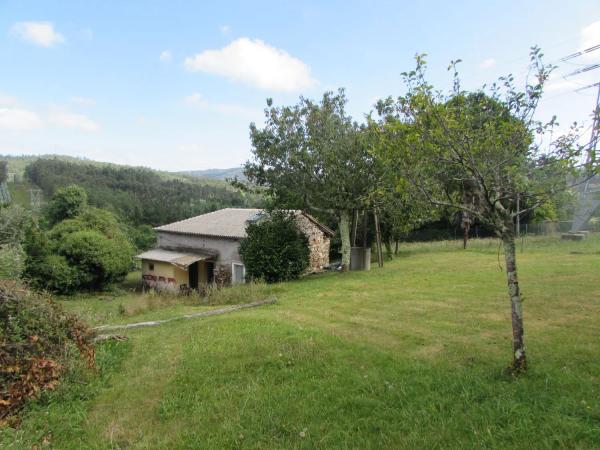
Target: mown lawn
409,356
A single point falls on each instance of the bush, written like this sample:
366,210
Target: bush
36,342
12,258
66,203
275,249
97,259
87,251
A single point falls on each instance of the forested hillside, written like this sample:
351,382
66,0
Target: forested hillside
139,195
217,174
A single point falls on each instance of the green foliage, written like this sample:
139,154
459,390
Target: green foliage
66,203
3,171
546,211
142,237
98,259
275,250
87,251
14,220
12,261
137,195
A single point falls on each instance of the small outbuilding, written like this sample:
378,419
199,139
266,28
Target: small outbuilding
205,249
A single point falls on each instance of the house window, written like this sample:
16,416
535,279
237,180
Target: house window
238,271
151,266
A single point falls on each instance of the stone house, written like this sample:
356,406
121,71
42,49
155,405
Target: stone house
205,249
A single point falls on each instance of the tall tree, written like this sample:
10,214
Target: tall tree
488,142
313,156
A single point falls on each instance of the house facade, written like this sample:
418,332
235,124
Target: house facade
205,249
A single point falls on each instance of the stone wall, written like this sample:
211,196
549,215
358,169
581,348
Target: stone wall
318,243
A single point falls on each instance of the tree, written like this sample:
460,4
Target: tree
66,203
313,156
86,251
275,249
488,143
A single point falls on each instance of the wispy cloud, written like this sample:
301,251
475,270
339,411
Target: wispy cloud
225,30
38,33
165,56
255,63
19,119
67,119
487,63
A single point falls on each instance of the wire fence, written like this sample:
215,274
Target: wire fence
556,227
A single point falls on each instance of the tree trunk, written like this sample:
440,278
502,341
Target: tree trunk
345,235
396,249
516,307
388,249
378,238
354,226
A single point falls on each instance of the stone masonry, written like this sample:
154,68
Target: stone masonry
318,243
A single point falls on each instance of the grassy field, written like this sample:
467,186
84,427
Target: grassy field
409,356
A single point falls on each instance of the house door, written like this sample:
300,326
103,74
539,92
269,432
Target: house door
193,272
210,272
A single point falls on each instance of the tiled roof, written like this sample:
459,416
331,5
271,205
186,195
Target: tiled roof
228,223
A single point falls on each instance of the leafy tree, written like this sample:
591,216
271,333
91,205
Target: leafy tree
488,142
66,203
313,156
275,249
87,251
98,259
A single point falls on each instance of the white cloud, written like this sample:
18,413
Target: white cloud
253,62
71,120
196,100
165,56
17,119
225,29
487,63
38,33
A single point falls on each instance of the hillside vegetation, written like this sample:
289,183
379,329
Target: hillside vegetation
141,196
413,355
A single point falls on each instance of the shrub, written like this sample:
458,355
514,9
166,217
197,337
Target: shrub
66,203
12,258
275,249
97,259
87,251
36,342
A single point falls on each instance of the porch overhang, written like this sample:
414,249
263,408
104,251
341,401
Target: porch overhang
179,259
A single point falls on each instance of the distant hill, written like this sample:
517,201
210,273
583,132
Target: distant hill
217,174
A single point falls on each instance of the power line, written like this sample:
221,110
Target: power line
582,52
584,69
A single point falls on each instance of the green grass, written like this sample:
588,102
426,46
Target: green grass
409,356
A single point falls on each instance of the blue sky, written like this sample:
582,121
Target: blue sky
173,85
